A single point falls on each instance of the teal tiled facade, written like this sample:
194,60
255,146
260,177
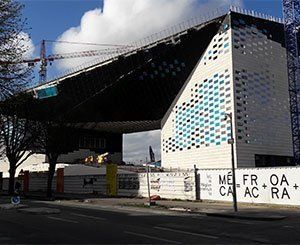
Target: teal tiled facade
200,122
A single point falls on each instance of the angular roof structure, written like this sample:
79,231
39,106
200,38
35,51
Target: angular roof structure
132,91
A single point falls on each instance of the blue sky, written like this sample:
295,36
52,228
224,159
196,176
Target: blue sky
51,19
48,19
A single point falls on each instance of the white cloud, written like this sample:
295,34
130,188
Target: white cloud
28,45
136,146
124,21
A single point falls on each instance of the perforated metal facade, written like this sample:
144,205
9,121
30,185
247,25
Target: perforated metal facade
242,71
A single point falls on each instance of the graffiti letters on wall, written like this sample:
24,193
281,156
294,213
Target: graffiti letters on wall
128,182
88,182
170,185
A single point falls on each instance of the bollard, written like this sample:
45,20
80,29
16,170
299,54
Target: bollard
60,180
26,182
1,181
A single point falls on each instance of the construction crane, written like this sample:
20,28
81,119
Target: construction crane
291,13
45,60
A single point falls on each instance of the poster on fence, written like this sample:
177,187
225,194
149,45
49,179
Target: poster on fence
171,185
257,185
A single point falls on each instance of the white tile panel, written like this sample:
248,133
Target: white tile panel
213,149
257,94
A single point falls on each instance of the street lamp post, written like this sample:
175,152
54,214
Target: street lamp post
148,184
151,202
231,142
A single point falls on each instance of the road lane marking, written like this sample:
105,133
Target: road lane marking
186,232
61,219
87,216
151,237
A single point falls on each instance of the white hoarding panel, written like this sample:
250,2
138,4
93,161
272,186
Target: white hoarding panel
172,185
257,185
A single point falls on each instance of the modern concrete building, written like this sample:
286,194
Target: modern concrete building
182,81
243,72
127,92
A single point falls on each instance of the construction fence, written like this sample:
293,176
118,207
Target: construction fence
254,185
169,185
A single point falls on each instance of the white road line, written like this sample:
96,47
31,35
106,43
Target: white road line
151,237
87,216
65,220
186,232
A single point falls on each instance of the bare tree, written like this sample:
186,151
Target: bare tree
55,139
18,136
13,74
14,77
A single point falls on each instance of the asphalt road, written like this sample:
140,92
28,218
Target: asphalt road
138,226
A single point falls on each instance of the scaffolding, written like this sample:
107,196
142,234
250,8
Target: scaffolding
291,12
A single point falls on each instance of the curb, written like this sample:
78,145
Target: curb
58,197
39,198
229,215
12,206
247,217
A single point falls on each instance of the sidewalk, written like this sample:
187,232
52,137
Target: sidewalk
41,195
216,209
208,208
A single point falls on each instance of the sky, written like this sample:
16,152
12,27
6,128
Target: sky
116,22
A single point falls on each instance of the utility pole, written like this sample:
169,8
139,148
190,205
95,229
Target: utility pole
231,142
148,184
197,182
